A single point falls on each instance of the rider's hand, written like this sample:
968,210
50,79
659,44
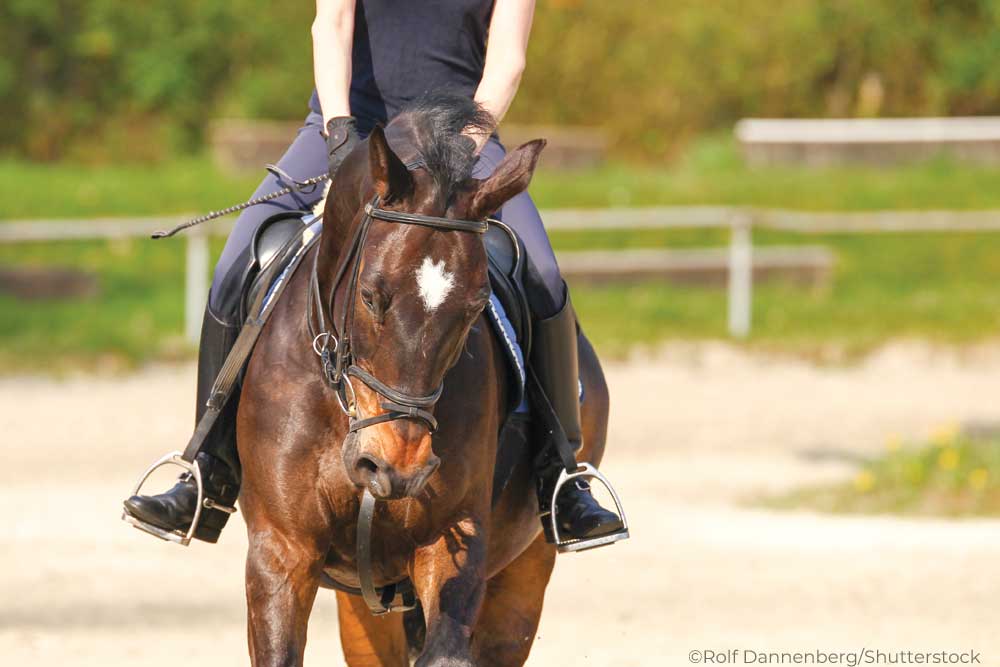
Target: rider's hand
478,139
341,138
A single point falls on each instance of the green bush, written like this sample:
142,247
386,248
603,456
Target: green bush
100,78
103,79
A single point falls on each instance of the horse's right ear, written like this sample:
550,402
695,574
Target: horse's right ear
510,178
391,177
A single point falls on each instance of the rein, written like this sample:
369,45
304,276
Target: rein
333,346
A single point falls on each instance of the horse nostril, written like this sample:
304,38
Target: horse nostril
366,465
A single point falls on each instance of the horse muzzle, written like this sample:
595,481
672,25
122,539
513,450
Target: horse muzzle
385,481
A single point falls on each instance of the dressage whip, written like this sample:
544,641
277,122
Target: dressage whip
279,173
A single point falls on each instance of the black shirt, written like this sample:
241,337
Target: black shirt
403,48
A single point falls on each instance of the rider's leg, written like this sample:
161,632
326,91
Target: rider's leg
554,349
218,459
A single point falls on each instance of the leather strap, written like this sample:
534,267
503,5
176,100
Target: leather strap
379,600
395,411
228,376
474,226
549,420
392,394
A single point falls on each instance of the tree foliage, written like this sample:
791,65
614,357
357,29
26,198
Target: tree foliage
103,79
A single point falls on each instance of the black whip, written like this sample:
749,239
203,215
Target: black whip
307,186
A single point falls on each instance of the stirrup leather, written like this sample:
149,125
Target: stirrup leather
585,471
176,536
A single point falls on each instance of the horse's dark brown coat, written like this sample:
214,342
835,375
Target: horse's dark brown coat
479,571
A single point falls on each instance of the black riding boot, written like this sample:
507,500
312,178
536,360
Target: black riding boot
218,459
555,363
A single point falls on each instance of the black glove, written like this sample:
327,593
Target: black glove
341,138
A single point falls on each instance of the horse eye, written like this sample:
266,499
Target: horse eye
368,298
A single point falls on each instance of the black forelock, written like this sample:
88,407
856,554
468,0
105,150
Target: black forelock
438,120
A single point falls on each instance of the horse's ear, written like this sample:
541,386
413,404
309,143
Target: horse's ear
510,178
390,175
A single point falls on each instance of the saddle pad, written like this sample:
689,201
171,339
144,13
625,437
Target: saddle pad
512,349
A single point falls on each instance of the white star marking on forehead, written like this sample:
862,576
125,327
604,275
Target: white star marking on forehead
434,282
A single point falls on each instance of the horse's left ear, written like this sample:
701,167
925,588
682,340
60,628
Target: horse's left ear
510,178
392,178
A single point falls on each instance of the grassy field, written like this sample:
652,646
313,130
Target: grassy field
936,286
712,172
954,475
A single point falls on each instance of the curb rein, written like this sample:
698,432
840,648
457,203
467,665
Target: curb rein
333,346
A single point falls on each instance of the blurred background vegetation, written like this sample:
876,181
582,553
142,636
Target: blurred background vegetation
955,474
89,80
106,110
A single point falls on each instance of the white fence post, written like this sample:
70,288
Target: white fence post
740,275
195,284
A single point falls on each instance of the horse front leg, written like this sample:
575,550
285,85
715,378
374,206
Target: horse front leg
450,577
282,577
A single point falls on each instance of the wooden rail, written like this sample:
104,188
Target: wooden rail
829,141
741,260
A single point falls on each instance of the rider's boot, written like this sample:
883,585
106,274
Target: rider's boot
218,460
555,362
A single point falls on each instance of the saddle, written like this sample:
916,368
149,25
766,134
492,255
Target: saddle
285,237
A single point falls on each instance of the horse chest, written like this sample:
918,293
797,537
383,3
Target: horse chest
398,529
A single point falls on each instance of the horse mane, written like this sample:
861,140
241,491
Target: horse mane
437,121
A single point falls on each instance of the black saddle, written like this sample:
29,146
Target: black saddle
273,235
506,255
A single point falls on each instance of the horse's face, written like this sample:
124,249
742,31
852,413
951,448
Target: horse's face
419,293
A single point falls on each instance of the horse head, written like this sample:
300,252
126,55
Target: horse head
419,289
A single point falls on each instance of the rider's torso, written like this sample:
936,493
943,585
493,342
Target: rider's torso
404,48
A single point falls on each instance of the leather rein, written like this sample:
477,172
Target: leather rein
332,343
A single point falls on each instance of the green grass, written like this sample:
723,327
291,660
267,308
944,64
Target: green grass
933,286
940,287
954,475
138,315
83,191
712,172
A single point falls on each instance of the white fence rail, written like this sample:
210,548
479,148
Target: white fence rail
740,222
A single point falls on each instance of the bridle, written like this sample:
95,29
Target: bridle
333,343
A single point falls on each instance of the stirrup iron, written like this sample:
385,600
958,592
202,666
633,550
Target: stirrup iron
177,536
585,471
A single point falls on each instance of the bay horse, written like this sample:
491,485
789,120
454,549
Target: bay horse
479,568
